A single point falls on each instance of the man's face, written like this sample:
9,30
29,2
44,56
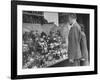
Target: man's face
70,20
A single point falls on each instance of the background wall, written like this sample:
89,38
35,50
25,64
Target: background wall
5,40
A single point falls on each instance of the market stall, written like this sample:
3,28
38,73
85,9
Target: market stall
42,50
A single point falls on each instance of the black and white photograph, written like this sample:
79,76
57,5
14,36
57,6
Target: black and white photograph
50,40
53,39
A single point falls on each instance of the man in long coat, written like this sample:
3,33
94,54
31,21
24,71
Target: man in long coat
74,51
84,50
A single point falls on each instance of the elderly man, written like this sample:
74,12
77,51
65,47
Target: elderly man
74,51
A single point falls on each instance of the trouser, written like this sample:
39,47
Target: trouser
76,62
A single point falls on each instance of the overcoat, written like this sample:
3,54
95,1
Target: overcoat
74,38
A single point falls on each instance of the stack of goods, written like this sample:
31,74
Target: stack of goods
41,50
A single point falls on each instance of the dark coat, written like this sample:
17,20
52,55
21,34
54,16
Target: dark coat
74,51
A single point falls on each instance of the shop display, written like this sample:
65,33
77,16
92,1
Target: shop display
41,50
